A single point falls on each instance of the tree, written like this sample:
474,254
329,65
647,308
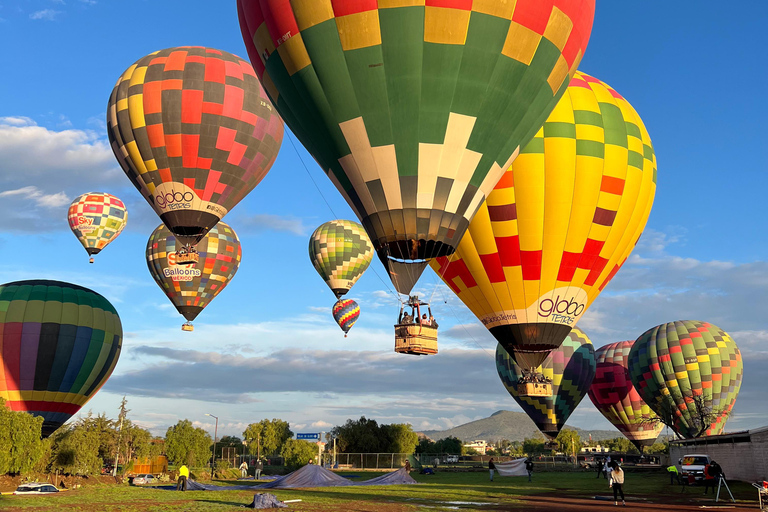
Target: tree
186,444
701,412
270,436
620,445
361,436
569,441
402,438
450,444
531,446
297,453
76,448
20,446
662,447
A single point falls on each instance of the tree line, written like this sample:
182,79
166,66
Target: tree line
94,442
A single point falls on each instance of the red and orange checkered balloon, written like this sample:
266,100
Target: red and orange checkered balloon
195,132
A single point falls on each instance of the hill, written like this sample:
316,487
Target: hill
514,426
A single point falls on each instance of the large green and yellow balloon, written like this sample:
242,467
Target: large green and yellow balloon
340,251
689,372
571,369
414,109
559,224
59,343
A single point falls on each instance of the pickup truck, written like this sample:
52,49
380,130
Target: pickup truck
693,464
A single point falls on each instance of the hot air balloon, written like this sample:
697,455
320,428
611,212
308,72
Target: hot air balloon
346,312
194,131
414,111
570,369
559,224
689,373
615,397
192,286
96,219
340,250
59,343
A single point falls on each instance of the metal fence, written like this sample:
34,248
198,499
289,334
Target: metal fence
365,460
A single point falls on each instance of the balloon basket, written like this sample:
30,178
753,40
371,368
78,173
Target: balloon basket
187,257
415,339
187,327
90,260
534,389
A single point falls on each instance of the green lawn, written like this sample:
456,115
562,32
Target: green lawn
435,493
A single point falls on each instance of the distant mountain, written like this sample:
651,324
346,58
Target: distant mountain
514,426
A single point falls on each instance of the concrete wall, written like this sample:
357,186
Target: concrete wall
745,461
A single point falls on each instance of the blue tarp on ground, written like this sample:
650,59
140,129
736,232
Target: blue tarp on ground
308,476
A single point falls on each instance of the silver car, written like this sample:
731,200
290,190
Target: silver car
144,479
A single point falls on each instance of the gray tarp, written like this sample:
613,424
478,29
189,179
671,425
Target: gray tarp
317,476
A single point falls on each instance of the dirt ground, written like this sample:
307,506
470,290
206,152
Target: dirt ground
587,504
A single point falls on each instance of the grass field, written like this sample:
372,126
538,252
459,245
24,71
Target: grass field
442,491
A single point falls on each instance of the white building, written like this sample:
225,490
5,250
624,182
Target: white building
479,446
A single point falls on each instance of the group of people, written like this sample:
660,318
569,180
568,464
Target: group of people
258,467
424,320
538,378
712,472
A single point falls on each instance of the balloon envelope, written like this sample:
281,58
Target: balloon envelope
346,313
96,218
194,131
571,368
559,224
617,399
674,363
340,250
59,343
191,287
415,111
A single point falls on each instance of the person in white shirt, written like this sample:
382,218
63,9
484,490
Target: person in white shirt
617,482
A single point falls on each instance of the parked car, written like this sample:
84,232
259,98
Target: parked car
693,464
451,459
35,488
144,479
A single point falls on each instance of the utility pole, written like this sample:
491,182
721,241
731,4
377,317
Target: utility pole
123,414
215,439
258,446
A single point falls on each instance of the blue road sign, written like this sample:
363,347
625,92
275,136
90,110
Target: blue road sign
309,437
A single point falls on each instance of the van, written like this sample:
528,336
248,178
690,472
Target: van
451,459
693,464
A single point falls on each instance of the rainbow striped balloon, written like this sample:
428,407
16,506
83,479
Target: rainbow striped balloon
59,343
346,312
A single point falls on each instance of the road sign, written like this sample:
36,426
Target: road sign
309,437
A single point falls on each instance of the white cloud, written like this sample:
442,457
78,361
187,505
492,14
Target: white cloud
42,169
45,15
34,194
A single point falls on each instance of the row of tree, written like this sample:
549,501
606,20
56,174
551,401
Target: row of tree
90,443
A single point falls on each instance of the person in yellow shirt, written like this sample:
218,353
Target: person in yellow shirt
673,474
181,485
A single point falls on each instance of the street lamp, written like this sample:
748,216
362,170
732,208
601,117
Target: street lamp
215,439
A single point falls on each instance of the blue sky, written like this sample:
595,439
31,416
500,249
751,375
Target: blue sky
267,346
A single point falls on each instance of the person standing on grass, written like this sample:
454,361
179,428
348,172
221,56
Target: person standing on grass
181,485
257,469
529,467
600,468
617,482
673,474
244,469
491,467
